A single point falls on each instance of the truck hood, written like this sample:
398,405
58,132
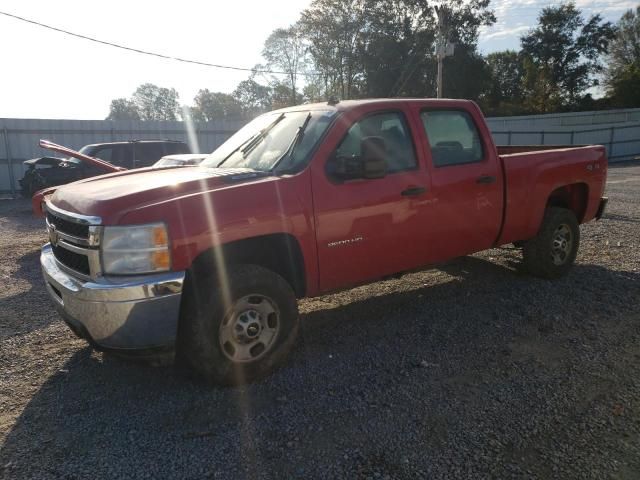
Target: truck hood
111,196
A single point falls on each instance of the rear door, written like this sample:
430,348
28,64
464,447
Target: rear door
465,214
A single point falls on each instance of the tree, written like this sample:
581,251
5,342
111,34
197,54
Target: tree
210,106
399,55
397,48
624,49
156,103
504,91
285,50
564,53
123,109
624,88
623,71
335,30
282,95
253,97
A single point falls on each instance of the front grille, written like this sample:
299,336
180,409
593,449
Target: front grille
70,228
72,260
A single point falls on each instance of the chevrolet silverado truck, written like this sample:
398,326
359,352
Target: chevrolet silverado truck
211,259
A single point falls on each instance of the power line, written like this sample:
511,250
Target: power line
145,52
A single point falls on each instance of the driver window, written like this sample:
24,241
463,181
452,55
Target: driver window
392,128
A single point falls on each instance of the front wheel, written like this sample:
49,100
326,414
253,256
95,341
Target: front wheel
239,328
552,252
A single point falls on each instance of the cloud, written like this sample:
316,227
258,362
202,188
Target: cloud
505,32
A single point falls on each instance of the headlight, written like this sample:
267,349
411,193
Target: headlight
135,249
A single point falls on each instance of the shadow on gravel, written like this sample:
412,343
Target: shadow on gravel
434,368
31,309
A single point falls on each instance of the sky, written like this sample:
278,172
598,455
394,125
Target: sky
46,74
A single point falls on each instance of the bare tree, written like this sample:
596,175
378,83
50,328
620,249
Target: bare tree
286,51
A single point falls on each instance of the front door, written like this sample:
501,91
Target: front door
365,227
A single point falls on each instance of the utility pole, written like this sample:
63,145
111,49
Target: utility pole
440,49
443,47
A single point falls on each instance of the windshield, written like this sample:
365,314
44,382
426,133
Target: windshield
263,142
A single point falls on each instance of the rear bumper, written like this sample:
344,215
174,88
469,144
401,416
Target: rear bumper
601,207
127,314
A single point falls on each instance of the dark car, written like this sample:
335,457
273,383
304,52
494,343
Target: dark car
51,171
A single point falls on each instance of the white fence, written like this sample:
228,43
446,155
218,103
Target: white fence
622,142
617,130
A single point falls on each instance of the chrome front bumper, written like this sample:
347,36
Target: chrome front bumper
116,313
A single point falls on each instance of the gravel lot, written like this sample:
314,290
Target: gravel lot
471,370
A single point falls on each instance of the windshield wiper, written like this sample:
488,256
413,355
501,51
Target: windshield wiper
253,142
294,143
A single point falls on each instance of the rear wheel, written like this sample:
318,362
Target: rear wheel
552,252
241,333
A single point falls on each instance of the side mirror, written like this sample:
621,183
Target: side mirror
370,164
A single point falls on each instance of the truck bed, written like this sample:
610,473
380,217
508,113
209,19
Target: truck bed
534,174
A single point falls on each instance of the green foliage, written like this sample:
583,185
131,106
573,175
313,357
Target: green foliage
506,71
123,109
563,53
624,88
623,73
254,97
283,96
209,106
156,103
398,49
286,51
335,31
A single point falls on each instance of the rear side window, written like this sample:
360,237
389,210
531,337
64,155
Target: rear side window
453,137
119,155
391,127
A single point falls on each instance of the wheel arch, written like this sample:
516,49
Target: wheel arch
574,197
278,252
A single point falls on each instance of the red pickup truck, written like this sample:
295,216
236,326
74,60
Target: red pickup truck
302,201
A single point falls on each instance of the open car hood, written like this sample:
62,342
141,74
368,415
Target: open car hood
101,164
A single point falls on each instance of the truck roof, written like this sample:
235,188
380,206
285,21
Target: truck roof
350,104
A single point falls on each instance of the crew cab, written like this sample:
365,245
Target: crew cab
211,259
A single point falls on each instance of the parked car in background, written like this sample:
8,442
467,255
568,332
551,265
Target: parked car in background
186,159
46,172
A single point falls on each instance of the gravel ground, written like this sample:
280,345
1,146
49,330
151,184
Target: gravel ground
471,370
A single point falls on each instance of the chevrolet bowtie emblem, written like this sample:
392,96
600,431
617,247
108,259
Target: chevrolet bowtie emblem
53,235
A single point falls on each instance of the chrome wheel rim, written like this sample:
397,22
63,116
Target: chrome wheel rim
250,328
561,244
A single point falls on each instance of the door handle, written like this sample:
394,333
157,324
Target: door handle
486,179
411,191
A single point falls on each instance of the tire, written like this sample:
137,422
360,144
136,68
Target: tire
31,183
552,252
240,340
